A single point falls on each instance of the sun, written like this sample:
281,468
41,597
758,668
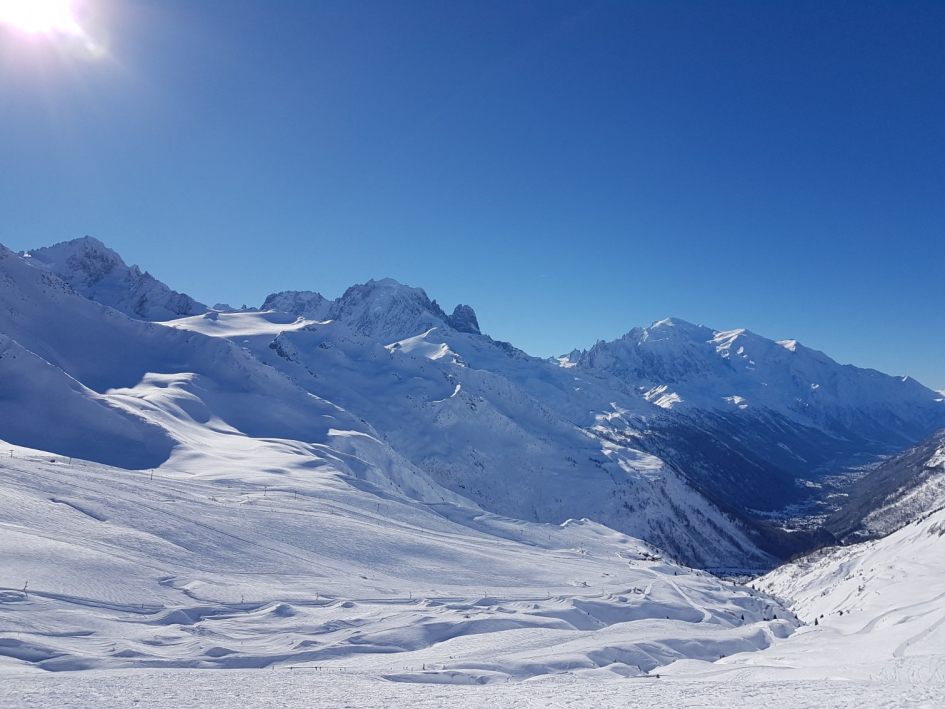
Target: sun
40,16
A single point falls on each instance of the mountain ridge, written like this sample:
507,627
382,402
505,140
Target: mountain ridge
747,423
100,274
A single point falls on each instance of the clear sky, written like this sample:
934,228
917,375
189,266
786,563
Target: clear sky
569,169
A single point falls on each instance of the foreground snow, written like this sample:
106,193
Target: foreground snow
879,606
308,688
260,561
223,581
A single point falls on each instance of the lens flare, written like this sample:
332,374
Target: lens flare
40,16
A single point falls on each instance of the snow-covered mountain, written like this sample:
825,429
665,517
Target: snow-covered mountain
83,380
749,422
465,410
411,416
747,418
677,434
382,310
375,488
100,274
896,492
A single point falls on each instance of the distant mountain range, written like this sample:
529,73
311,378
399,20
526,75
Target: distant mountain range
689,438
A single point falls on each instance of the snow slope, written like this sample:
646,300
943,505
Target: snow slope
196,689
351,595
259,555
879,606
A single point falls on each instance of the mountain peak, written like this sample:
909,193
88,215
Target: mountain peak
306,304
100,274
673,322
387,283
384,309
677,327
387,310
464,319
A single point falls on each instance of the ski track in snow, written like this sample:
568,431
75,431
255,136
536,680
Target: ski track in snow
194,587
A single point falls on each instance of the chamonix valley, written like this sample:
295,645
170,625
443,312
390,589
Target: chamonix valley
370,500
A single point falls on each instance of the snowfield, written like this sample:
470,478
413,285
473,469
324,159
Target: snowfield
307,688
879,605
208,567
235,582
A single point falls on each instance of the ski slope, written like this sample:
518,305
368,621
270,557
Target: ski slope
232,563
373,501
311,586
872,612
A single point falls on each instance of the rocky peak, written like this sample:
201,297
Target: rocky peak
385,310
305,304
99,273
464,319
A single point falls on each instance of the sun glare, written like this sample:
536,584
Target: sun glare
40,16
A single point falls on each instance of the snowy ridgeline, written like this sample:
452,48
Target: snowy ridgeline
440,416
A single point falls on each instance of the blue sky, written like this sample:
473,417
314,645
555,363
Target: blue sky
569,169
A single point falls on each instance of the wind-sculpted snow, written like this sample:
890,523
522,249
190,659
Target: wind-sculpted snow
275,557
100,274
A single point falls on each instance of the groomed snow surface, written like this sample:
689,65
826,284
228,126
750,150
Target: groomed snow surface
246,581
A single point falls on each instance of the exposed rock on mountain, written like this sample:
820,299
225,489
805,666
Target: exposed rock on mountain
304,304
100,274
